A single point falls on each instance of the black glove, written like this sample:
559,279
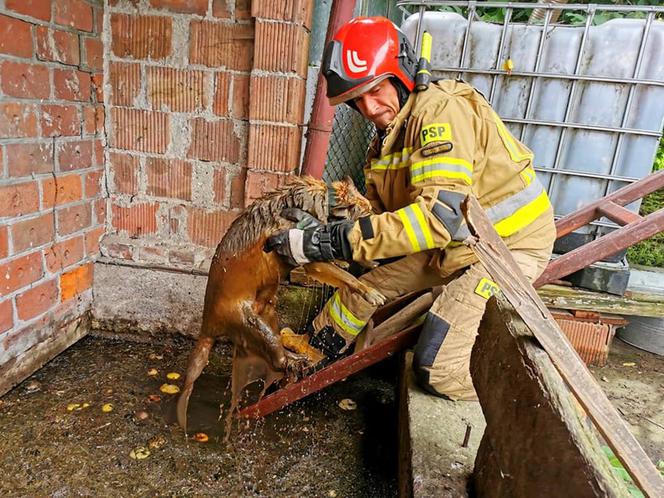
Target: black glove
311,240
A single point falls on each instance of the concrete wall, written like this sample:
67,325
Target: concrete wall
51,156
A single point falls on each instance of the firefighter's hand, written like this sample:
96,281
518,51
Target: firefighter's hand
301,218
316,242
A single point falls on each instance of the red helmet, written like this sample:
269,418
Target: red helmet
365,51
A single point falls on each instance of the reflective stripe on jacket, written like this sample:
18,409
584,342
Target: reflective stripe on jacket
446,142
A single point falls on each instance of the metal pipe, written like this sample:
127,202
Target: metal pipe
581,126
322,115
499,58
524,5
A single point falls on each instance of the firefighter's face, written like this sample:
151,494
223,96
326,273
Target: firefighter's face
379,104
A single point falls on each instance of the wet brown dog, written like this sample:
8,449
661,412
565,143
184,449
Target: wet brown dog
240,299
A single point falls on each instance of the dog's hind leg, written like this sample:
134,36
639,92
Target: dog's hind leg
197,361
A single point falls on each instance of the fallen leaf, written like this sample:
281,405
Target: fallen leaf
73,406
169,389
347,404
629,364
154,398
139,453
173,376
152,372
332,493
107,408
155,356
157,442
201,437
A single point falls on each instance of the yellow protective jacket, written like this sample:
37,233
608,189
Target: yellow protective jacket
445,143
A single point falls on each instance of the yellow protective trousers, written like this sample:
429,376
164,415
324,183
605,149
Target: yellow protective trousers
442,354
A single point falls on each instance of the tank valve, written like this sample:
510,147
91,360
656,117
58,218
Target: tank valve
423,76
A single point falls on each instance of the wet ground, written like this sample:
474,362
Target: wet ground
313,448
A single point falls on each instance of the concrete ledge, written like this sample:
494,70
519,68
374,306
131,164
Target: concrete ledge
433,460
134,299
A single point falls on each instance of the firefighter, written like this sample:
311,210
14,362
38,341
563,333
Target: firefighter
432,149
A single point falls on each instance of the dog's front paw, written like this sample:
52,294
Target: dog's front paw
374,297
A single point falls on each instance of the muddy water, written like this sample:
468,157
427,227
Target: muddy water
313,448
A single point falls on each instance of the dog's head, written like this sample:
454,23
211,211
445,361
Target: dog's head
346,202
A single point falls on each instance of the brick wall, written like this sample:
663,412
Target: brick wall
205,104
51,167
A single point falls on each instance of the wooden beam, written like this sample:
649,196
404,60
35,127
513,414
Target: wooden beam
618,214
498,261
602,247
625,195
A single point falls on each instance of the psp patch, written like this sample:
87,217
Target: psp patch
439,132
486,288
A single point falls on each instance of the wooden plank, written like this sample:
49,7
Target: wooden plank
574,298
623,196
335,372
497,259
618,214
603,247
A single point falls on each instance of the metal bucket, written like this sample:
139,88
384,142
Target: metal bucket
645,333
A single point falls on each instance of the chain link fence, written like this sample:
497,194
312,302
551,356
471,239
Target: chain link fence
351,135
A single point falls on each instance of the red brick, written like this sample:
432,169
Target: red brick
216,44
141,37
281,47
29,159
99,19
64,254
98,86
92,239
19,199
125,83
57,46
118,251
20,272
60,120
15,37
279,99
74,13
169,178
4,241
222,83
39,9
174,90
213,141
71,84
295,11
100,210
75,282
28,81
275,148
61,190
18,120
73,219
220,9
184,6
243,9
139,130
136,220
125,173
94,53
38,300
75,155
6,315
260,182
205,228
237,189
241,96
219,185
32,233
93,184
90,119
98,147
